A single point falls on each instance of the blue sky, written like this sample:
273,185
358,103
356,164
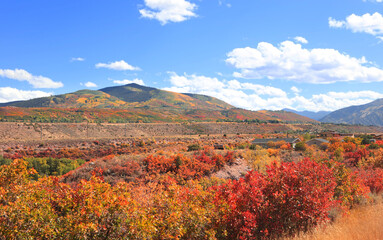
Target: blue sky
254,54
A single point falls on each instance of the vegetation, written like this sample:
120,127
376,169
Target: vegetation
48,166
194,147
136,191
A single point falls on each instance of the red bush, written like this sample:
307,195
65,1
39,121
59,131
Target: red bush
288,198
353,158
373,178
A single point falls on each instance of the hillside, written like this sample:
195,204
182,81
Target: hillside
367,114
142,96
79,99
134,103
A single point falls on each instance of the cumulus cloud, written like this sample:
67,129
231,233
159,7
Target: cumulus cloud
301,40
9,94
118,65
35,81
256,96
295,90
127,81
77,59
166,11
335,100
289,61
335,23
245,95
367,23
193,82
264,90
89,84
378,1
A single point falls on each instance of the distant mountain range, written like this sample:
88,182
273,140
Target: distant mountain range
313,115
133,102
367,114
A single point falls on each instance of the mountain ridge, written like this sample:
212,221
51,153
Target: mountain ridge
365,114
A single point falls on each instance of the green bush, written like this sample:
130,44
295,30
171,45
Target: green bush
301,146
49,166
194,147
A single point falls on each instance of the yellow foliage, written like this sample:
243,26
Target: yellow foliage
260,158
81,100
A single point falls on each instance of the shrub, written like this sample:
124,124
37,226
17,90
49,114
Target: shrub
300,146
288,198
194,147
350,189
372,178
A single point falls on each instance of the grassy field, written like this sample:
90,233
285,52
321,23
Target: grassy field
363,223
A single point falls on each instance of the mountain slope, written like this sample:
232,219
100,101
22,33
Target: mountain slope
309,114
142,96
367,114
79,99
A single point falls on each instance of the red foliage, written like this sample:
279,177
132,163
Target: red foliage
199,165
349,147
86,153
288,198
373,178
353,158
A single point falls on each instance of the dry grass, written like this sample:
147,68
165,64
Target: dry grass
364,223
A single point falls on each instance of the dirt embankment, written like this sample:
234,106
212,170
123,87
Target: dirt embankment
62,131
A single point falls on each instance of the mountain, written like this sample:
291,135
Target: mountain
79,99
309,114
124,97
133,102
367,114
142,96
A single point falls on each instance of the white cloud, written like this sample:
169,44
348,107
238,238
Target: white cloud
89,84
367,23
194,82
118,65
355,95
255,96
77,59
9,94
127,81
378,1
232,92
166,11
335,23
335,100
35,81
289,61
301,40
222,2
295,90
264,90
